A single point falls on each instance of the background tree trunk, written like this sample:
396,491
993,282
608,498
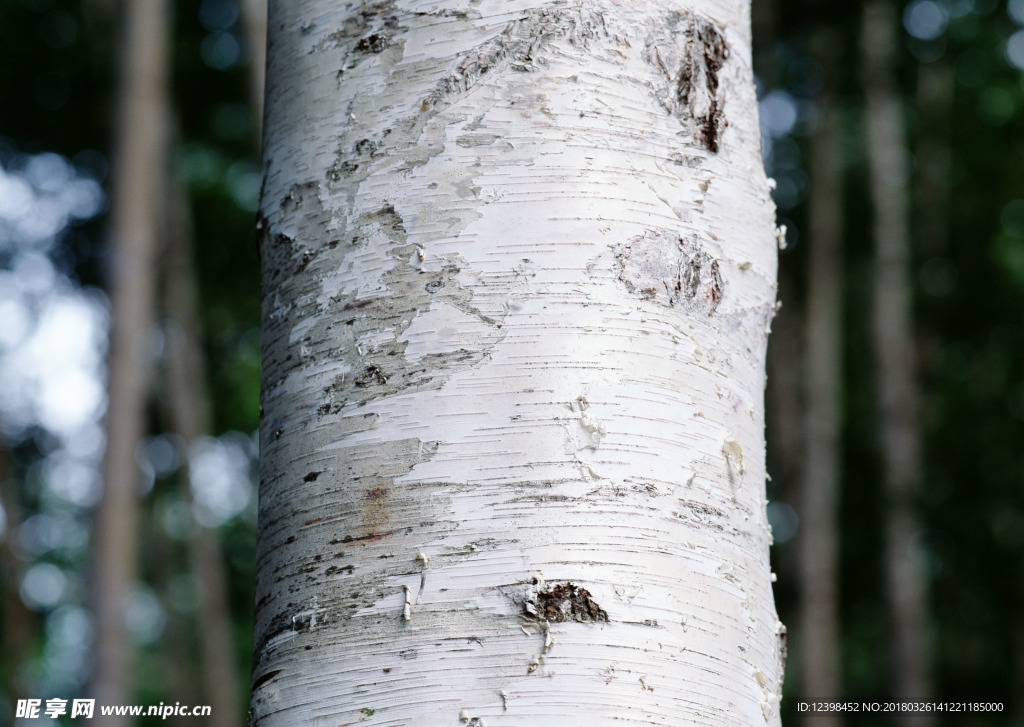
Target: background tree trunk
140,159
189,408
819,532
254,17
19,624
893,331
518,272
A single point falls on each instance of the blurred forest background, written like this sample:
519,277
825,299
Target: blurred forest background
129,182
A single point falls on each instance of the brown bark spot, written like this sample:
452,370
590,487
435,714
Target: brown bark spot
375,509
568,602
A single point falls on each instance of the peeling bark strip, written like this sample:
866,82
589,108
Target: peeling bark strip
671,270
690,51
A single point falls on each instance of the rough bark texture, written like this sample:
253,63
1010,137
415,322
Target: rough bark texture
898,395
135,213
519,268
819,532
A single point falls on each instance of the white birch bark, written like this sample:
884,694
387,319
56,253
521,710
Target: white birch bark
519,269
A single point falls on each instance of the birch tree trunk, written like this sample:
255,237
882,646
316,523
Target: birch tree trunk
519,268
893,333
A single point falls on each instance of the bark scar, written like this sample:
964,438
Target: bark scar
689,51
565,602
671,270
519,46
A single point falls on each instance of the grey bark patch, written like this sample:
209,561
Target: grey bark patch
703,514
371,375
519,47
381,369
373,514
470,140
363,153
565,602
689,51
783,646
671,270
366,31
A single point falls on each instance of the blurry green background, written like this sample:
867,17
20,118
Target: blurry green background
959,80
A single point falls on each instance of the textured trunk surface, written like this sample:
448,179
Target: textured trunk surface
140,156
898,397
819,532
518,272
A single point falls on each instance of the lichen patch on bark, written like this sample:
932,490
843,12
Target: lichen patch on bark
671,270
689,51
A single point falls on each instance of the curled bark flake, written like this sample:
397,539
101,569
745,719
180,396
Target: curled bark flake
260,681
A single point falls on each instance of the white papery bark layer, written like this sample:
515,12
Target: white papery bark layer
519,266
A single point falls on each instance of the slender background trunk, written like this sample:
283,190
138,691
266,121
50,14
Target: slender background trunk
189,408
819,532
519,269
254,17
140,159
19,624
893,331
